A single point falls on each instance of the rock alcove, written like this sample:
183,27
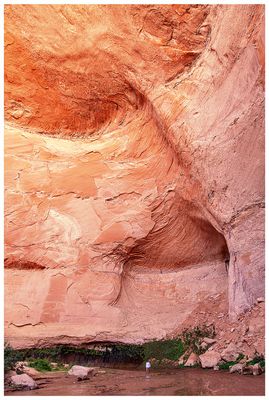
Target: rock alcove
134,145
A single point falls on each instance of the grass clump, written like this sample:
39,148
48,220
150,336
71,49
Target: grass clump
41,365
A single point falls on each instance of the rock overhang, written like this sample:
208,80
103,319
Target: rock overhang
105,191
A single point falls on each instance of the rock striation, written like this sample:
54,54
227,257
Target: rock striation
134,168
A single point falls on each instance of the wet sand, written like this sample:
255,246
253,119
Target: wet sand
190,382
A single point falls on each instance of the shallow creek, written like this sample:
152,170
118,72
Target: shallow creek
193,381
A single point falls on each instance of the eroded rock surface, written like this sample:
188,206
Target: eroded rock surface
134,145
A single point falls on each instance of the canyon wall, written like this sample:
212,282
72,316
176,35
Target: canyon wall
134,169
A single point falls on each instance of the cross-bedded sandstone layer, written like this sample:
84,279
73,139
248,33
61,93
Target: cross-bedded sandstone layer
134,147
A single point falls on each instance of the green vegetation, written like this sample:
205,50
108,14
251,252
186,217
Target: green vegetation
257,359
240,357
227,365
162,352
192,338
54,354
173,349
40,358
11,356
127,352
41,365
169,349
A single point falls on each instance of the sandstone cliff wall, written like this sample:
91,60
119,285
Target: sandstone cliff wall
134,168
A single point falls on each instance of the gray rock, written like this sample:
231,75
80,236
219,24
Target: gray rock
230,353
54,364
204,345
209,340
181,360
82,373
248,370
20,365
209,359
192,360
236,368
256,369
8,375
23,381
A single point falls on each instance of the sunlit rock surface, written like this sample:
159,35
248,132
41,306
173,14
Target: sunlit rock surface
134,169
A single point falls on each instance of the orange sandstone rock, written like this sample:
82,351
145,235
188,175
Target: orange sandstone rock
134,145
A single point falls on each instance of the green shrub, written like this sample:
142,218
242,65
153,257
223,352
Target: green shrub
192,338
257,359
226,365
11,356
170,349
41,365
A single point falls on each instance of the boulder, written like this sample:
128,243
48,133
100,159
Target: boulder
192,360
209,340
20,365
54,364
248,370
181,360
23,381
230,353
216,368
8,375
256,325
256,369
204,345
236,368
82,373
209,359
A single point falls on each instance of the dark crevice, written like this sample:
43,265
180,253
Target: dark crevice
22,265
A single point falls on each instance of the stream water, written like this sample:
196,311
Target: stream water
190,382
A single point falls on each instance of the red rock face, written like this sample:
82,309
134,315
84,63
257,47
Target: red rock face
134,146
